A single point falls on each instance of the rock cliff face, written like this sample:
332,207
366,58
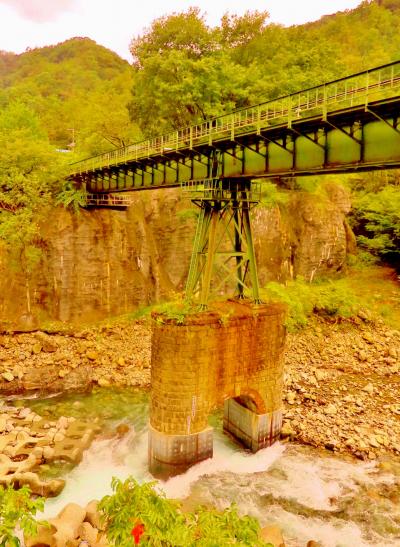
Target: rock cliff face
107,262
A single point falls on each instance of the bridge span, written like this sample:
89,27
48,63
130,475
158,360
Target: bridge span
350,124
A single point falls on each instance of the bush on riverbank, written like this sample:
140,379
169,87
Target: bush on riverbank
333,298
17,510
139,511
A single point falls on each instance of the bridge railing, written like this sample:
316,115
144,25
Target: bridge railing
355,90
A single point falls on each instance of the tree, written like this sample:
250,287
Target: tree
17,511
237,31
186,32
139,511
376,222
174,90
29,171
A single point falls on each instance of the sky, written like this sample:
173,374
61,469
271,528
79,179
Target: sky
113,23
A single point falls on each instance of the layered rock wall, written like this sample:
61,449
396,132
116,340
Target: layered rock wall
105,262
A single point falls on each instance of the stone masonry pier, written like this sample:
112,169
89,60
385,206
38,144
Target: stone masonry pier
230,355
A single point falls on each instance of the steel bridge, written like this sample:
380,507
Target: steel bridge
348,125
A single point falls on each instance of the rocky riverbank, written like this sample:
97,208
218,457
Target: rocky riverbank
57,362
342,380
343,388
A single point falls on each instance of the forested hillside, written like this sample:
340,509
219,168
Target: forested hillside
78,90
82,97
184,71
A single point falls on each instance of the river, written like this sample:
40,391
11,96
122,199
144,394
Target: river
309,493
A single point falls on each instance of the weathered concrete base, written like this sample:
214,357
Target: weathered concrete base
173,454
255,431
231,351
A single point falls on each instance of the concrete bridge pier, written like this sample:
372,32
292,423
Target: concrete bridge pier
230,355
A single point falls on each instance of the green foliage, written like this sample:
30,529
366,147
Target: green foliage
186,32
175,90
361,260
17,511
71,197
188,214
29,170
376,219
166,525
78,89
187,71
175,310
272,195
333,298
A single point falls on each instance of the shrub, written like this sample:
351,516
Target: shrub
376,222
326,297
162,522
17,511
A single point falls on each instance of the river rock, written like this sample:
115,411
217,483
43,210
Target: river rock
36,348
93,515
8,376
122,429
68,523
320,375
49,347
40,487
103,382
272,534
291,397
43,538
3,424
88,533
330,410
373,442
369,388
287,430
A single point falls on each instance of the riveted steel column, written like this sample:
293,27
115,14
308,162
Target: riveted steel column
251,253
205,287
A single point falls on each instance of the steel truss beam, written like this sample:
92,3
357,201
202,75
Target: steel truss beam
223,243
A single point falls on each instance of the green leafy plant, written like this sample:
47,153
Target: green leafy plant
71,197
324,297
17,511
376,221
175,310
272,195
162,522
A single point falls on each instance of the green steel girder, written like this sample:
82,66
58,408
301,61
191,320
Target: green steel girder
355,139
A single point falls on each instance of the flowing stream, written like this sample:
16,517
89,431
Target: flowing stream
309,494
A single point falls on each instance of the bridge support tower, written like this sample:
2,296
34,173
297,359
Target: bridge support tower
228,352
223,248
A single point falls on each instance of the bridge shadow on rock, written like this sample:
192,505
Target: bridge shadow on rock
231,355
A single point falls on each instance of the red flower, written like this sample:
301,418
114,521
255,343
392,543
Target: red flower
137,532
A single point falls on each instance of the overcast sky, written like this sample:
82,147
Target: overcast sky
112,23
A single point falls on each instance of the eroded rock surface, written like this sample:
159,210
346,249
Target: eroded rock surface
103,263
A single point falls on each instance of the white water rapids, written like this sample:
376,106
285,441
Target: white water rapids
298,490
